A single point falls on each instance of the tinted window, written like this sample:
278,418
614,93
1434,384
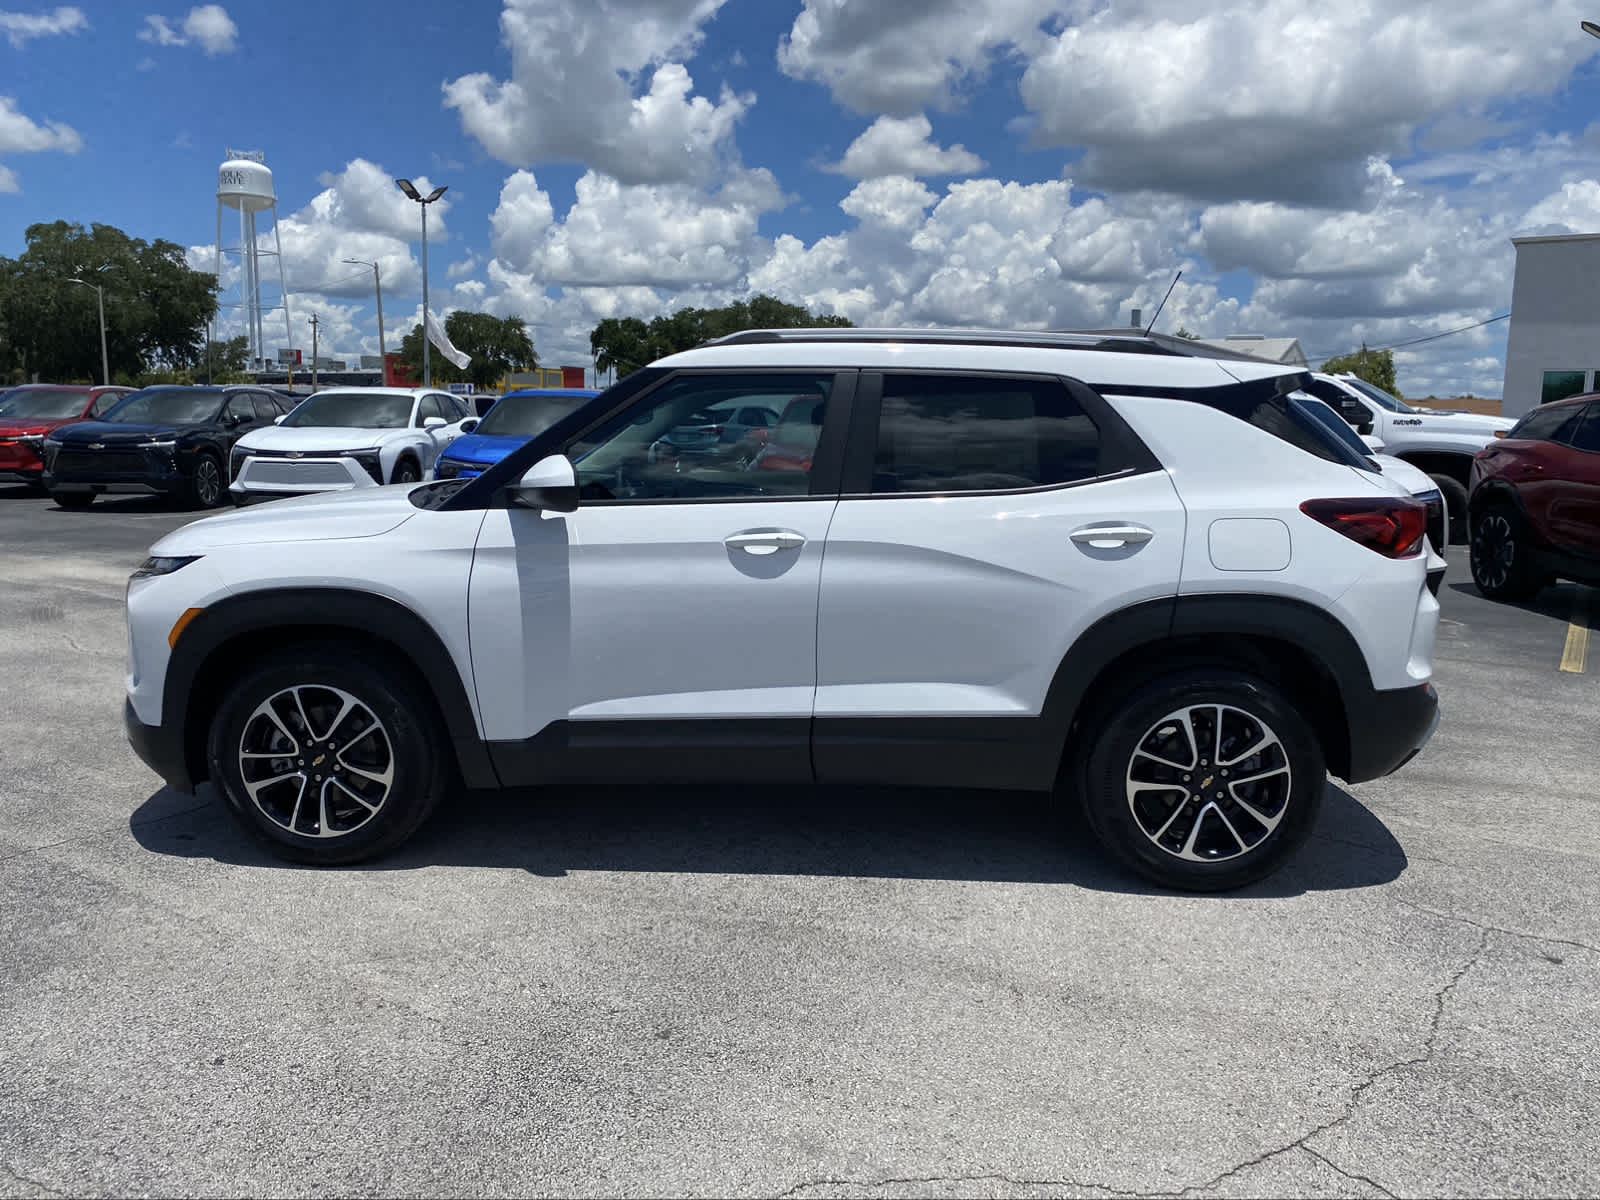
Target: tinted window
1378,395
1586,434
1347,406
1257,403
44,404
168,406
1334,424
630,457
946,433
458,409
1547,424
1558,385
429,408
266,410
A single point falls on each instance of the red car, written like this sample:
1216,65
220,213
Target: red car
29,412
1534,509
792,442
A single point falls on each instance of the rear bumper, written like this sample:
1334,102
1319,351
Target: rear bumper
1388,728
160,748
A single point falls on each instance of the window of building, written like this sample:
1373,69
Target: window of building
1558,385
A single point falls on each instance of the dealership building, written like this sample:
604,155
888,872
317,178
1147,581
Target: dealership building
1553,349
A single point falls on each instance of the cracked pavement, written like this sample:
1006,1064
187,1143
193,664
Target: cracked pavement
757,993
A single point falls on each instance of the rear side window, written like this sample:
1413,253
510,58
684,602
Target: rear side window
951,433
1258,403
1586,434
1548,424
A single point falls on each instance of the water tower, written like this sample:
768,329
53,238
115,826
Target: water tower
244,183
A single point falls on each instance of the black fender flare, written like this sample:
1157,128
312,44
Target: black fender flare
276,612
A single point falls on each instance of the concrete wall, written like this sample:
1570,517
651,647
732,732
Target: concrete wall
1555,317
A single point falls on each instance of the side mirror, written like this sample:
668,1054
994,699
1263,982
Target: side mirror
431,423
469,426
1373,443
1365,427
551,483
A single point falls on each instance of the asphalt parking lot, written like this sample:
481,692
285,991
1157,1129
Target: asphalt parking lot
798,994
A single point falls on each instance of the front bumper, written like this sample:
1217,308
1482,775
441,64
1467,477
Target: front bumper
160,748
1388,728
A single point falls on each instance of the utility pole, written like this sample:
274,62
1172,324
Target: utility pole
314,323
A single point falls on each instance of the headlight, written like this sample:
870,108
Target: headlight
31,439
168,446
156,565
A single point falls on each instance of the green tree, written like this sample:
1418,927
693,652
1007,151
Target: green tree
1186,335
624,344
497,345
157,308
225,362
1375,366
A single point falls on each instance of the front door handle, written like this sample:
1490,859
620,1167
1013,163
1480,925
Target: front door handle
764,541
1112,537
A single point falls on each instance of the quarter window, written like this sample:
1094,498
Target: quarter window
944,433
660,449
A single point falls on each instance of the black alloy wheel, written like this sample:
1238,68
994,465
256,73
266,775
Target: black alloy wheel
405,471
205,486
1501,565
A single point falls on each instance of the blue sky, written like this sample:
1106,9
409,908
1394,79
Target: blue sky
1338,176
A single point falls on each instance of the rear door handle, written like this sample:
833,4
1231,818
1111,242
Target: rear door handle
764,541
1112,537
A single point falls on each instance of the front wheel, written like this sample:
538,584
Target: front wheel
1502,565
1204,780
205,487
405,471
325,757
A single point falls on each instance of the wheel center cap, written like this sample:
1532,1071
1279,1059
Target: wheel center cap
1206,782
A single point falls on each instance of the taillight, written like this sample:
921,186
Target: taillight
1393,527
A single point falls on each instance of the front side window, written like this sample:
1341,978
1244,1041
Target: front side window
1379,396
1558,385
240,408
428,408
944,433
266,410
641,455
526,413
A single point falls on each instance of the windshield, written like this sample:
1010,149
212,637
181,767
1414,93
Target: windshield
1334,423
1379,396
44,404
351,410
167,406
524,416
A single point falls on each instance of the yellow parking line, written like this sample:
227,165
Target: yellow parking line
1576,655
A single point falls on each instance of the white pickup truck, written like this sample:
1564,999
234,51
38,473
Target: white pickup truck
1440,443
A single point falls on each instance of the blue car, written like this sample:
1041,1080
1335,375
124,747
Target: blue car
515,418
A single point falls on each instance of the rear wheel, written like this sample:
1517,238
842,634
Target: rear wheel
1203,780
1455,505
325,757
1502,565
73,499
205,485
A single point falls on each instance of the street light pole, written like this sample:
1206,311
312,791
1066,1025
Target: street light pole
100,303
406,186
377,284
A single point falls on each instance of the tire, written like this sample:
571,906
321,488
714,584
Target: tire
1199,834
1455,505
386,774
206,486
405,471
72,499
1501,564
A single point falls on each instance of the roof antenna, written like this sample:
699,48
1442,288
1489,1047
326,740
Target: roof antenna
1163,303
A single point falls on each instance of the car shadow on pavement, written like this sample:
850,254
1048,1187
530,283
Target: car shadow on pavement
1556,601
1001,837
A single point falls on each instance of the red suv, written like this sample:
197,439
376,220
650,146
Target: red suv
1534,510
29,412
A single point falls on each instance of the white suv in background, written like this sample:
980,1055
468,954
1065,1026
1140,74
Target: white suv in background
1144,581
344,438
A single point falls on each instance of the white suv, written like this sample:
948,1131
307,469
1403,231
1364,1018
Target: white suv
1002,561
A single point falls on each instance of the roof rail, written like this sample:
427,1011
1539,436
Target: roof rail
1038,339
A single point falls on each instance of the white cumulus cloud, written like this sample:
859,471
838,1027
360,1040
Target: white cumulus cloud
903,146
207,25
20,134
20,28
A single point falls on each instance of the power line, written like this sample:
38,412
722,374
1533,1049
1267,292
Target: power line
1432,337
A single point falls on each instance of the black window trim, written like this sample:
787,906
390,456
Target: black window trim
1117,438
489,490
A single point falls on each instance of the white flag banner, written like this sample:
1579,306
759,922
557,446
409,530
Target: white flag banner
441,339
